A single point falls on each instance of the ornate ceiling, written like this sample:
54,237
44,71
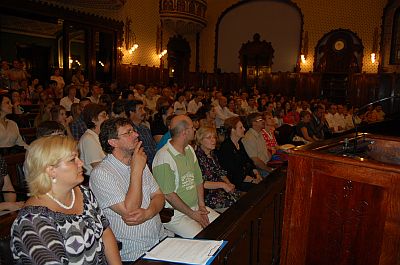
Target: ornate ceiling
29,27
93,4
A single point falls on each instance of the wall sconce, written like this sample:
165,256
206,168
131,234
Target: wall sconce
374,46
373,57
303,59
130,37
164,52
304,52
133,48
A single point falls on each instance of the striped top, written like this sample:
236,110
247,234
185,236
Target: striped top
109,182
41,236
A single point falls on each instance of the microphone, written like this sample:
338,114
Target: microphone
362,108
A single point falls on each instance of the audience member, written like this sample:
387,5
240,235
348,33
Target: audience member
60,83
304,129
195,103
127,191
219,192
68,100
222,112
234,159
90,149
9,130
59,114
134,110
96,92
268,132
48,128
61,223
179,176
159,123
254,143
78,126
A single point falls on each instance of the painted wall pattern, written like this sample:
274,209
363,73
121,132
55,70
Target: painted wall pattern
320,17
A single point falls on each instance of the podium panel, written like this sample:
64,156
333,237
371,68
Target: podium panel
342,208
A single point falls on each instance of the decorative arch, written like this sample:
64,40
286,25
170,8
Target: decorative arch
297,38
339,51
387,35
395,43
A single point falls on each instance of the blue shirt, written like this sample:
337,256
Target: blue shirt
164,139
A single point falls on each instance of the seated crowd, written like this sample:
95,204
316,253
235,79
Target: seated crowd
107,161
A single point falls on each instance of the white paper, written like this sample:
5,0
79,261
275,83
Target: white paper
183,250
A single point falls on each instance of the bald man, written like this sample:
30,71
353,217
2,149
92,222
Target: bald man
177,171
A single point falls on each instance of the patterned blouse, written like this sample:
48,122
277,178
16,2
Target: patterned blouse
269,138
42,236
212,171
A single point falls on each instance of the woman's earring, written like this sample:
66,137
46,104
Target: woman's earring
54,180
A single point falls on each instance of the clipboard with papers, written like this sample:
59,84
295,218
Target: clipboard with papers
186,251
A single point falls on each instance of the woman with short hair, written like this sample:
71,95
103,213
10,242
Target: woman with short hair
233,157
61,223
220,193
90,149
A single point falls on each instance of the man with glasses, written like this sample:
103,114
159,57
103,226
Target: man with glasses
127,191
255,144
178,173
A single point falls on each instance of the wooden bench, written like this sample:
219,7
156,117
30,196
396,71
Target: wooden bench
15,164
28,134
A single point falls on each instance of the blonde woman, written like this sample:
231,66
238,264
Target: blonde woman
61,223
220,193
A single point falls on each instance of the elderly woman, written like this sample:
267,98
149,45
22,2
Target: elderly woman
220,192
233,157
9,131
61,223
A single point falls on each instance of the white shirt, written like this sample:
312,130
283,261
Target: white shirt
66,102
222,115
179,108
90,150
193,107
10,136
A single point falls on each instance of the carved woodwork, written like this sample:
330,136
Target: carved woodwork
255,61
341,209
178,59
339,51
183,16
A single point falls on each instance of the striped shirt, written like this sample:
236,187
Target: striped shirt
42,236
109,182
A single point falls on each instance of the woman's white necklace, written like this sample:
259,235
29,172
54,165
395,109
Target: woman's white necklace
61,204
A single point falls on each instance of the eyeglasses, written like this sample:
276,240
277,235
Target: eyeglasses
129,133
259,119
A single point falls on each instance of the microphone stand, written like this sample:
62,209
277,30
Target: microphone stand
357,112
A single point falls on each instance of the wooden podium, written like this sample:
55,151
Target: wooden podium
341,207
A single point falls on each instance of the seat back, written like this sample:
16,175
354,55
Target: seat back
15,164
